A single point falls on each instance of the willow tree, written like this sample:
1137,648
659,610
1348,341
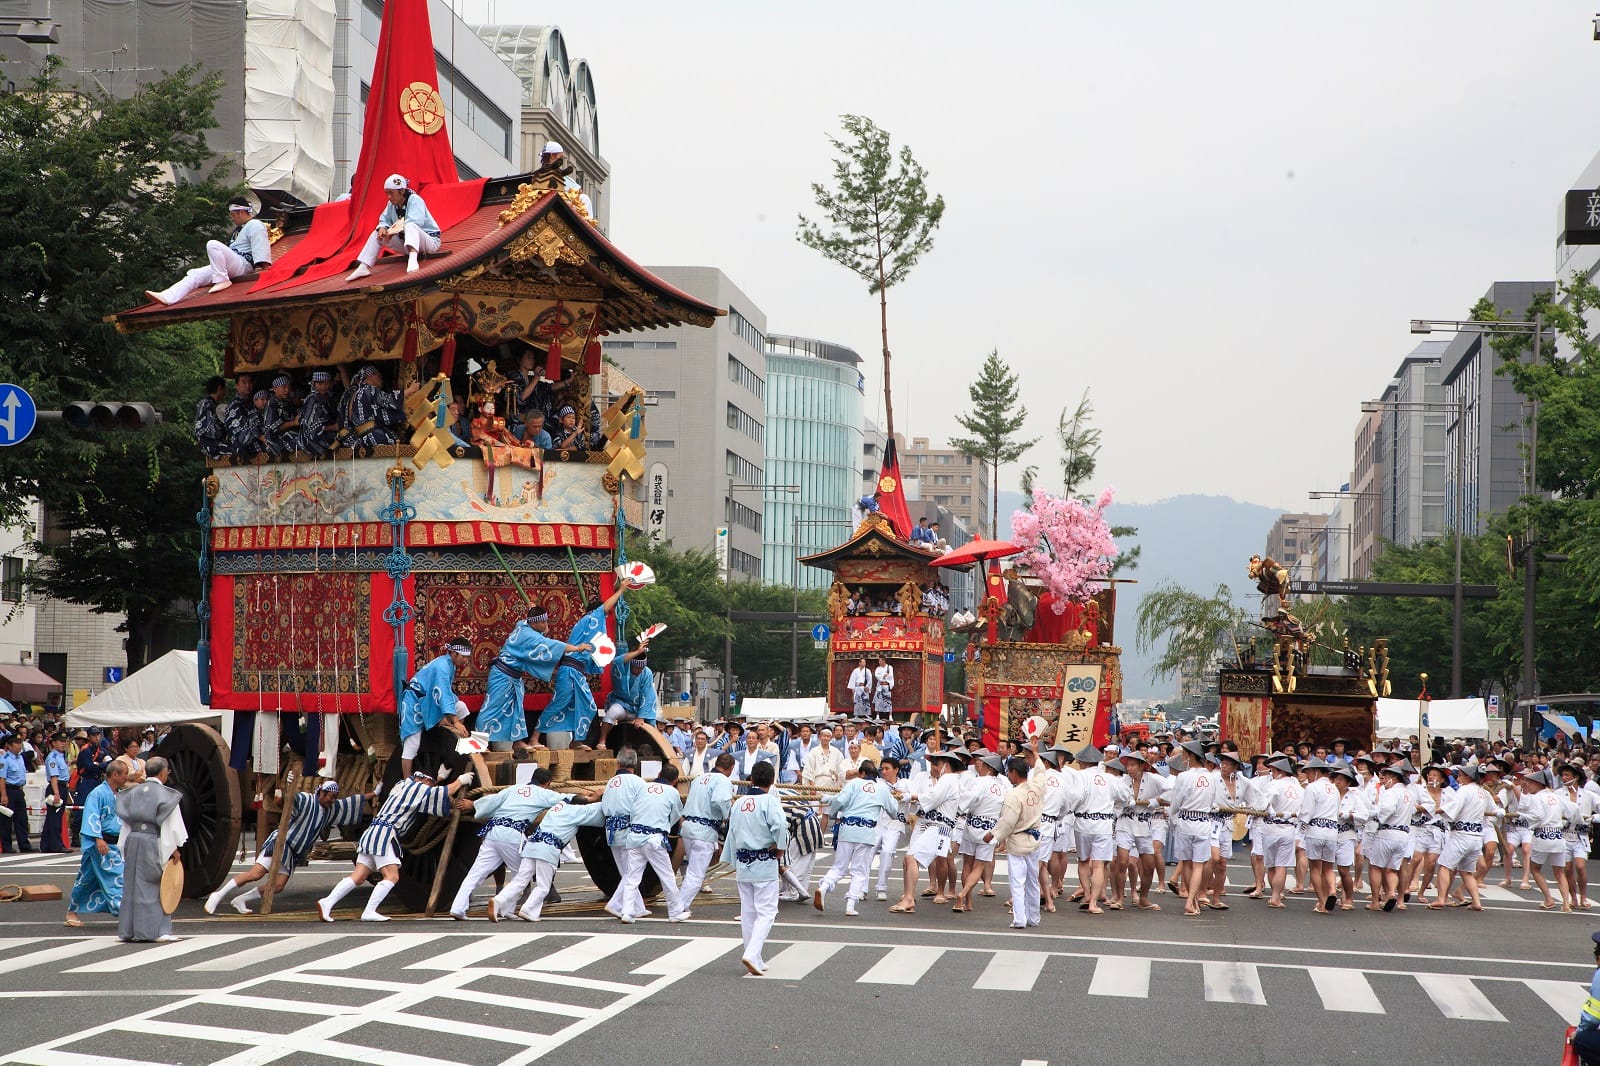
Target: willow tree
1189,629
879,216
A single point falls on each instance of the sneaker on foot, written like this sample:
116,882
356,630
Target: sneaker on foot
681,916
411,263
850,909
360,271
527,917
819,898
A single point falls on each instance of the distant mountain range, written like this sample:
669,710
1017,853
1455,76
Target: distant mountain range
1198,542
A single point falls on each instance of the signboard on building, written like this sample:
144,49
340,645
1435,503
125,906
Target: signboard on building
655,503
722,551
1582,217
1080,692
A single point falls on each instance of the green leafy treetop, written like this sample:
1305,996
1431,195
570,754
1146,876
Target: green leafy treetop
880,219
994,419
93,217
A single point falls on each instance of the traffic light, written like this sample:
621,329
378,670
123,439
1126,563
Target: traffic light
110,415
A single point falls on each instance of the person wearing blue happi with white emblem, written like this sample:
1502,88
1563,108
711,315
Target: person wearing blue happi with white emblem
571,712
506,816
633,690
758,836
429,698
855,810
550,834
647,841
527,652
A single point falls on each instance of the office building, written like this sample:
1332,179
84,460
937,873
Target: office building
813,441
707,428
950,479
873,443
1291,536
1495,435
1414,420
558,104
294,74
1367,481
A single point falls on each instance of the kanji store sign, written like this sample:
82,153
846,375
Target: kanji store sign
655,503
1582,217
1080,693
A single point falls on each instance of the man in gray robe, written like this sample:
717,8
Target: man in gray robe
152,830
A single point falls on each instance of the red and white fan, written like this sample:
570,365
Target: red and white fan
1033,727
636,575
605,650
651,633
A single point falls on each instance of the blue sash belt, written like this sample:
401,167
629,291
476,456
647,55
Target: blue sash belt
1324,823
539,836
1547,834
648,830
710,823
974,822
755,855
1466,827
519,824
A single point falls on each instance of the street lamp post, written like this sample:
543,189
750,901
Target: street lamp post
1530,677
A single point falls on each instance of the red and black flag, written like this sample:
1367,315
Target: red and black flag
892,493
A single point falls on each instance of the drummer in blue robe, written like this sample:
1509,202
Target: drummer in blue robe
429,699
571,711
527,652
633,690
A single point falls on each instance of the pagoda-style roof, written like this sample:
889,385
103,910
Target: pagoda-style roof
522,241
874,540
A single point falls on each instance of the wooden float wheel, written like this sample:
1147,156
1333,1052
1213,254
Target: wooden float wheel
198,757
420,853
597,858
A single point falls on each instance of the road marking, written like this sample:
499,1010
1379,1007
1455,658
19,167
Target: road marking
158,953
379,947
577,956
1345,990
688,957
273,949
1564,997
1121,975
12,963
1012,971
901,966
1458,998
799,959
1496,894
480,950
1233,982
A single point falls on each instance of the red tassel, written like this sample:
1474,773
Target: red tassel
591,358
447,355
409,351
552,363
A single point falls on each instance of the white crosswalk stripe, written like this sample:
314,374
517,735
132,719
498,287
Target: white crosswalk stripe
1013,970
1233,982
1345,990
1457,997
902,966
1121,975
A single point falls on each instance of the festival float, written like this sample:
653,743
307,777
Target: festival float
327,581
1042,660
1303,690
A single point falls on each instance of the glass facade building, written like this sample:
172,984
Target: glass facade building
813,441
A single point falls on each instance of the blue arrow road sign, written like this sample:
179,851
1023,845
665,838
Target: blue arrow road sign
18,415
820,631
949,656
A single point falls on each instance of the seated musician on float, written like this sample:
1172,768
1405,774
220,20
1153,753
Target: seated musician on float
372,414
405,225
249,249
569,435
282,420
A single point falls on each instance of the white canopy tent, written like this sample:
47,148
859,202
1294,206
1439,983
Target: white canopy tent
167,690
1398,719
805,709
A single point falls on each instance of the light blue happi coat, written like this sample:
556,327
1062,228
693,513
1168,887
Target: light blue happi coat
428,696
571,708
526,651
758,834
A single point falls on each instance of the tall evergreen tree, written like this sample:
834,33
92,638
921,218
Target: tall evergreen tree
994,419
880,217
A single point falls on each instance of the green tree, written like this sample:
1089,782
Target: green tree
93,218
880,219
1191,630
762,650
995,418
1080,456
688,596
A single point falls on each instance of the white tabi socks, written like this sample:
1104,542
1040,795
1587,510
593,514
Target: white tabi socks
214,900
379,891
242,903
326,904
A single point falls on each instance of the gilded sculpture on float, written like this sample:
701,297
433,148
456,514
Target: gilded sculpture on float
1020,610
1272,580
910,597
838,601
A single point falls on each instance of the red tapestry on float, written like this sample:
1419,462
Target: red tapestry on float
481,608
308,643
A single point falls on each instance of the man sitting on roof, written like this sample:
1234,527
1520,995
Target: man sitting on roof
405,225
250,249
553,155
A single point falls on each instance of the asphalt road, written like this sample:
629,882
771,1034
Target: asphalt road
1249,985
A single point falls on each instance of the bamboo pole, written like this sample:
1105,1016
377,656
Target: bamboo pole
444,862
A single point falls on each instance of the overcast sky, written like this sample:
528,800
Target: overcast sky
1219,218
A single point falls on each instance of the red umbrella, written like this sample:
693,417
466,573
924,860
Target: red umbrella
976,551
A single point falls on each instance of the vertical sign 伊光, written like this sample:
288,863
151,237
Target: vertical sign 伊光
1080,692
655,503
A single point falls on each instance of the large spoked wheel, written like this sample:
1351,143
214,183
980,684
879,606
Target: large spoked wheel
199,759
597,858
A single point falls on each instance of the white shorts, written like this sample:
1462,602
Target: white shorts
1322,849
387,857
1554,853
1066,838
1096,847
1578,850
1429,839
1278,848
1518,835
1134,845
927,844
1345,856
615,712
1461,852
1190,847
1222,840
979,851
1388,850
1257,848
